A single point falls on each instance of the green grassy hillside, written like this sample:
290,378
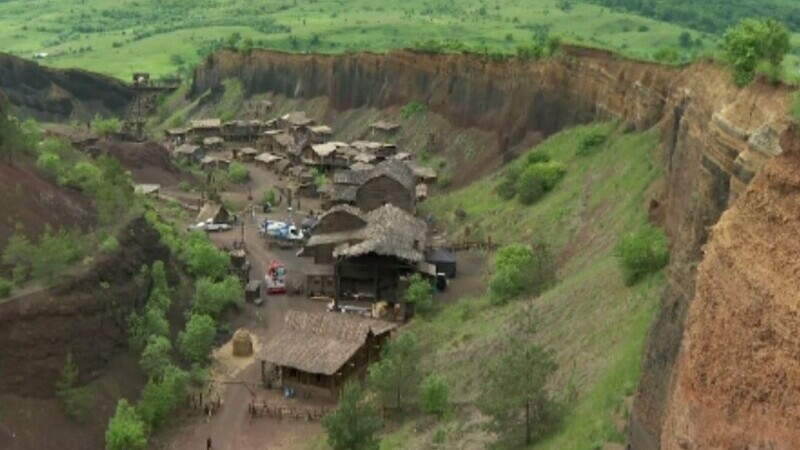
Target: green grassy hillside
595,323
164,36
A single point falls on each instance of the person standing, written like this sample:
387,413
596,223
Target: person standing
208,444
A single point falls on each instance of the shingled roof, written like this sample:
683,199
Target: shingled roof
321,343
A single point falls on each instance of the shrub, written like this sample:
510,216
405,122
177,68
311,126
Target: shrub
185,186
160,397
105,127
155,356
198,338
50,163
667,55
753,41
434,395
412,109
143,326
54,253
795,103
354,424
591,141
77,400
521,269
212,298
5,288
532,51
419,294
535,157
268,197
396,376
238,173
109,245
507,188
642,253
83,175
126,430
203,259
538,179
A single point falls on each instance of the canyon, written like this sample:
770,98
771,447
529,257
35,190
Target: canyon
723,147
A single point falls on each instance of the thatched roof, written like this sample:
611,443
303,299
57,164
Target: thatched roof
186,149
390,231
422,172
213,140
361,166
205,124
249,151
365,157
402,156
176,131
324,150
267,158
342,192
383,125
321,343
297,119
394,169
321,129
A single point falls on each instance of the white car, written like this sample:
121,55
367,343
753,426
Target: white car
209,226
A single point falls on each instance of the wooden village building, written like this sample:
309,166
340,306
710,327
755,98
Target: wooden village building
204,128
317,353
214,143
247,154
390,182
370,251
277,142
383,128
176,136
188,154
295,122
266,160
319,134
210,163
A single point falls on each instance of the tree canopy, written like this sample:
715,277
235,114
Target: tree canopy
753,41
354,424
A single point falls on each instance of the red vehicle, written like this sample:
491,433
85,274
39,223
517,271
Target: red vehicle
275,278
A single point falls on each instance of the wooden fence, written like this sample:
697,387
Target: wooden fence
304,413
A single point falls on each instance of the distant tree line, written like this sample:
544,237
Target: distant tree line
711,16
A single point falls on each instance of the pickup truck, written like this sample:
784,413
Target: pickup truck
209,226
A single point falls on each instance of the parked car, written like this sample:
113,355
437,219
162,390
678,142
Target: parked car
209,226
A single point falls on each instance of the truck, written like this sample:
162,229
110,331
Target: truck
275,278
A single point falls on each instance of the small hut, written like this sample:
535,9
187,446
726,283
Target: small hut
266,160
214,143
319,133
205,128
383,128
188,154
176,136
421,192
422,173
214,163
319,352
248,154
391,182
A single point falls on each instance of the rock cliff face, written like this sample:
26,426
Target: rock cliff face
55,95
85,315
716,138
738,379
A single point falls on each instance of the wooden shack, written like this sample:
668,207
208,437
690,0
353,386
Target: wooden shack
176,136
384,128
266,160
214,143
317,353
340,224
242,130
205,128
247,154
390,182
319,134
277,142
392,245
209,163
188,154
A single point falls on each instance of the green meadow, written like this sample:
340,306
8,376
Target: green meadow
165,37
